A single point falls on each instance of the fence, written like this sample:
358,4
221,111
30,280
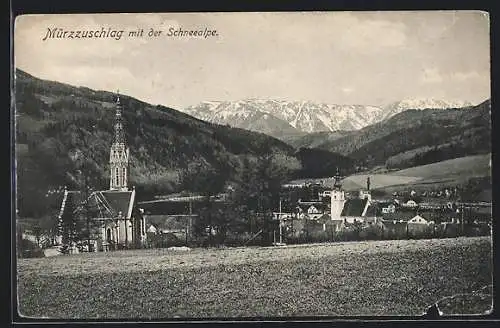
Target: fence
302,231
380,230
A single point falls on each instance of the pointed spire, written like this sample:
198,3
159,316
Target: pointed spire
119,133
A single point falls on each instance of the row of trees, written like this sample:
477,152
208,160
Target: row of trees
75,227
250,198
247,210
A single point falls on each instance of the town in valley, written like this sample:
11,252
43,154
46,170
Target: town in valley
266,165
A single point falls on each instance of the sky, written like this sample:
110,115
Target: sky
366,58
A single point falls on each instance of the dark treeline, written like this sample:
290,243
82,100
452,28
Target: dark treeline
251,199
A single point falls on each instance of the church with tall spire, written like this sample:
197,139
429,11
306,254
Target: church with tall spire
119,153
117,221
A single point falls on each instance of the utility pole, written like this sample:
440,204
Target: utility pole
87,211
281,231
462,219
189,222
88,225
84,207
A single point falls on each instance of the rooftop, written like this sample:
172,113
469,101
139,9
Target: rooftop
354,207
103,204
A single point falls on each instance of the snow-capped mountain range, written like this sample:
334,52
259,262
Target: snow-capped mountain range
281,117
400,106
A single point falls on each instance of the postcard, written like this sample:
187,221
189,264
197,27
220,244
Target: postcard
245,165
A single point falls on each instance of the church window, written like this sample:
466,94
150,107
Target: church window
108,235
116,176
124,174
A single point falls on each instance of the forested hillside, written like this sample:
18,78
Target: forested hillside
315,139
322,163
62,130
413,137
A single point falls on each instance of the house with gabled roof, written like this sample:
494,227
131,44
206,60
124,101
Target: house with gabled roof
417,219
311,210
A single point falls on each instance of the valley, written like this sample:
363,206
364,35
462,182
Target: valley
57,121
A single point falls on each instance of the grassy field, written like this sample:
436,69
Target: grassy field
340,279
356,182
445,173
470,166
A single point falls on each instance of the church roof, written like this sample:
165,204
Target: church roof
115,202
103,204
354,207
71,200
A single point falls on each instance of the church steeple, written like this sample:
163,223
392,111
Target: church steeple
337,184
119,155
337,198
119,133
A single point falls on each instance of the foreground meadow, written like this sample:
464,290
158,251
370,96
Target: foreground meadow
375,278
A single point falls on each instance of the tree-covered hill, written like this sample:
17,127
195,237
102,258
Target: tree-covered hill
413,137
62,129
322,163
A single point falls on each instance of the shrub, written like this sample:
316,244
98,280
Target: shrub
29,249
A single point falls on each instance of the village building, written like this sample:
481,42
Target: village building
389,208
337,199
116,220
311,210
352,210
418,220
410,203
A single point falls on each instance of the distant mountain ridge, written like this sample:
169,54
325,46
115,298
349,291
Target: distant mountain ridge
412,137
298,117
282,118
420,104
